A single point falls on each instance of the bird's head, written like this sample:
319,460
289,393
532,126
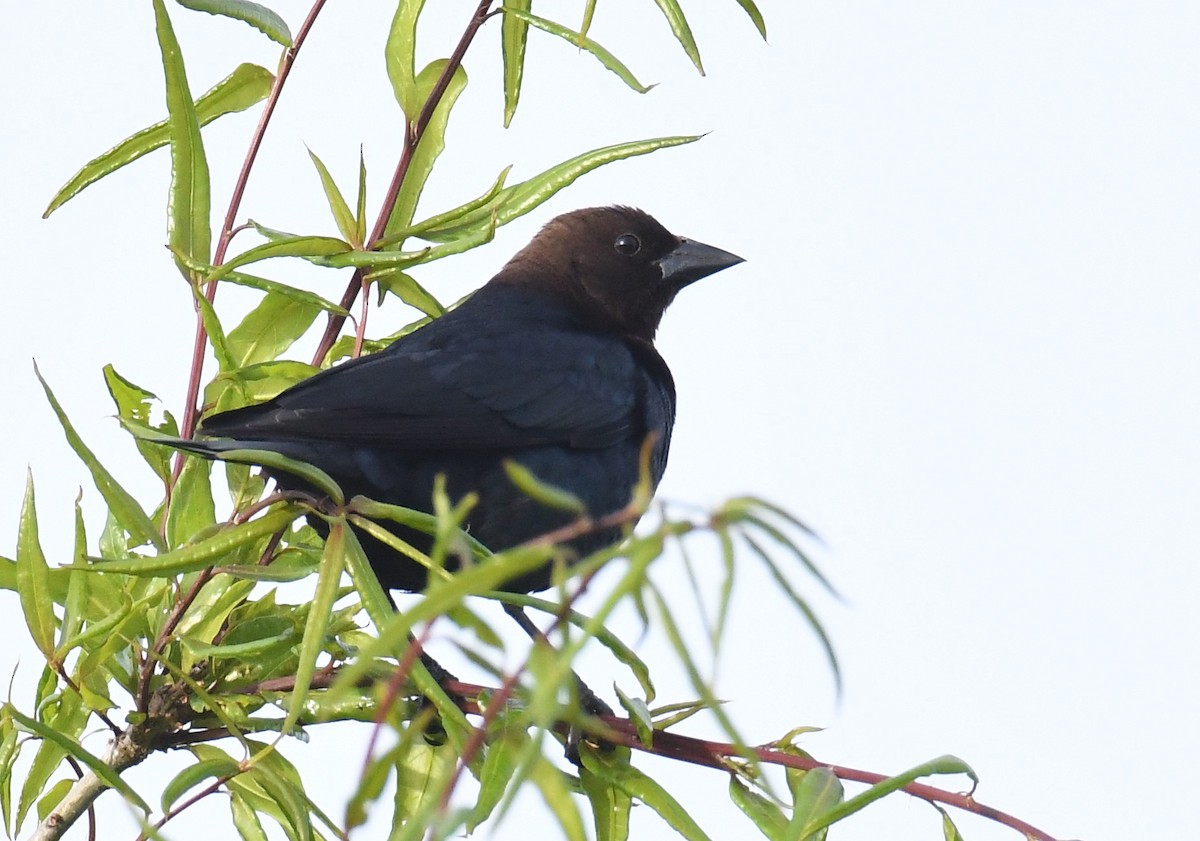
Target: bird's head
616,266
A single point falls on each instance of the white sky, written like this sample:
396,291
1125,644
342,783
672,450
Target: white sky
963,346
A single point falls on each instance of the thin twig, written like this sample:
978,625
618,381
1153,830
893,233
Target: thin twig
191,411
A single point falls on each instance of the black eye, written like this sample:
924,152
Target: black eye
627,244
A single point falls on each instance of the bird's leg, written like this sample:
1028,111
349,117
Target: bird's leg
591,703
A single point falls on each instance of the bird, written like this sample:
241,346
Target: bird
551,364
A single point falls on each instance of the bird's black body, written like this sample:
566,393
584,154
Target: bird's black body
551,364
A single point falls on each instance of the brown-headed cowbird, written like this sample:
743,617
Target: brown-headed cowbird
550,364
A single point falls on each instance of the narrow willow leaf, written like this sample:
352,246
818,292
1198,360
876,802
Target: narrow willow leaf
611,806
136,403
942,765
120,502
801,605
768,817
683,33
374,260
404,287
517,200
245,819
191,510
755,15
513,36
421,773
51,798
610,61
254,383
346,222
261,283
432,142
288,797
540,491
8,756
188,230
33,576
298,246
193,775
75,605
589,11
379,609
559,798
499,765
299,296
639,713
360,213
269,329
258,16
212,326
102,770
449,217
949,830
624,654
614,768
400,54
333,562
247,85
815,793
203,554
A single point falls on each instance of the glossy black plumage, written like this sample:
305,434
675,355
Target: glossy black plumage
551,364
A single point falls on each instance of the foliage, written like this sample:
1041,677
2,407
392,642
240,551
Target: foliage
172,617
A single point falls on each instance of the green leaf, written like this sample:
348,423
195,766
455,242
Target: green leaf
212,326
247,85
949,830
302,296
558,796
360,213
407,290
683,33
581,41
122,505
513,36
205,553
431,144
33,576
254,384
499,765
333,562
541,492
195,774
188,229
610,806
191,510
134,402
258,16
517,200
75,604
768,817
269,329
639,713
400,54
107,775
289,797
815,794
614,768
755,15
51,798
297,246
346,222
942,765
245,819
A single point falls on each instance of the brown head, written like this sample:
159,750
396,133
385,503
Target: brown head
616,266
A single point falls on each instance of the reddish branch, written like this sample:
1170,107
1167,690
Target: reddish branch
191,411
412,138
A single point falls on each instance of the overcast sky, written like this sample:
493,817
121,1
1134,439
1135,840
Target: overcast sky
963,347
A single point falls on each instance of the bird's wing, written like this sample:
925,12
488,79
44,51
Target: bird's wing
464,385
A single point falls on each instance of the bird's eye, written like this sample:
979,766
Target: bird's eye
627,244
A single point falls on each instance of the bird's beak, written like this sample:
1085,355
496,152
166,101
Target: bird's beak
691,260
